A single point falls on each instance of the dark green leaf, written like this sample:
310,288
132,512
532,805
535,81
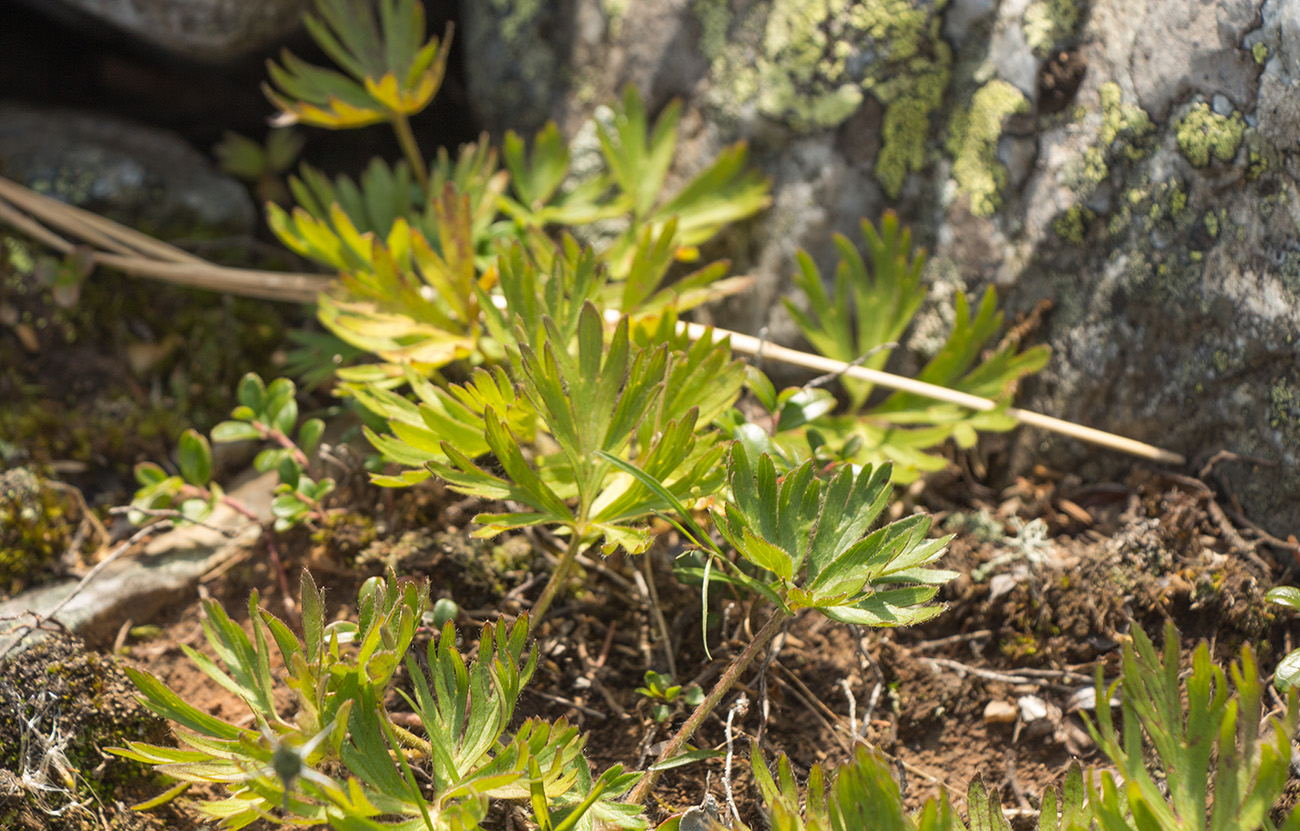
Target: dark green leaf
195,458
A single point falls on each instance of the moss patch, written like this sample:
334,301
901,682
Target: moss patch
973,142
38,525
60,706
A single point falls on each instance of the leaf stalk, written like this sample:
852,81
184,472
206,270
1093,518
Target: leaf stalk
710,702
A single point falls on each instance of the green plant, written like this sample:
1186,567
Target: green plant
261,165
862,794
807,543
1220,766
341,759
860,322
1287,674
664,694
392,73
267,414
637,158
609,399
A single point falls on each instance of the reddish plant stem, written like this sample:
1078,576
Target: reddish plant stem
710,703
274,434
268,534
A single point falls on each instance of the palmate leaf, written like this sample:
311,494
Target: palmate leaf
542,282
637,156
465,710
413,303
475,174
607,399
951,367
862,794
388,67
870,306
812,536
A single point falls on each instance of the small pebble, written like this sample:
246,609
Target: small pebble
1000,712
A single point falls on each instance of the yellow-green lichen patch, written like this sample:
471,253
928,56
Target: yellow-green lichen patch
973,142
1177,201
1204,134
1126,134
1286,408
1125,122
1048,22
1073,224
514,16
1211,221
1260,53
810,64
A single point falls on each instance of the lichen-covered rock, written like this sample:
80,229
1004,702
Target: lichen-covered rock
1135,162
204,30
136,175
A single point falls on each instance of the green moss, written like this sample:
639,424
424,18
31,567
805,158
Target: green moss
1048,22
59,689
811,64
1204,134
973,142
1260,53
37,526
1073,224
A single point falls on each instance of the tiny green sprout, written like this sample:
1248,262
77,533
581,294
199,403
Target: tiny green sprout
267,413
660,689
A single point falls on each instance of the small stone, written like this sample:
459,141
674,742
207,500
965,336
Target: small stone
1032,708
1000,712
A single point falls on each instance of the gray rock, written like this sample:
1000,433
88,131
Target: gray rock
1192,46
140,585
202,30
1158,209
139,176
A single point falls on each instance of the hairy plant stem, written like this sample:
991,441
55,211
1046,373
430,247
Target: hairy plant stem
560,574
406,138
710,703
